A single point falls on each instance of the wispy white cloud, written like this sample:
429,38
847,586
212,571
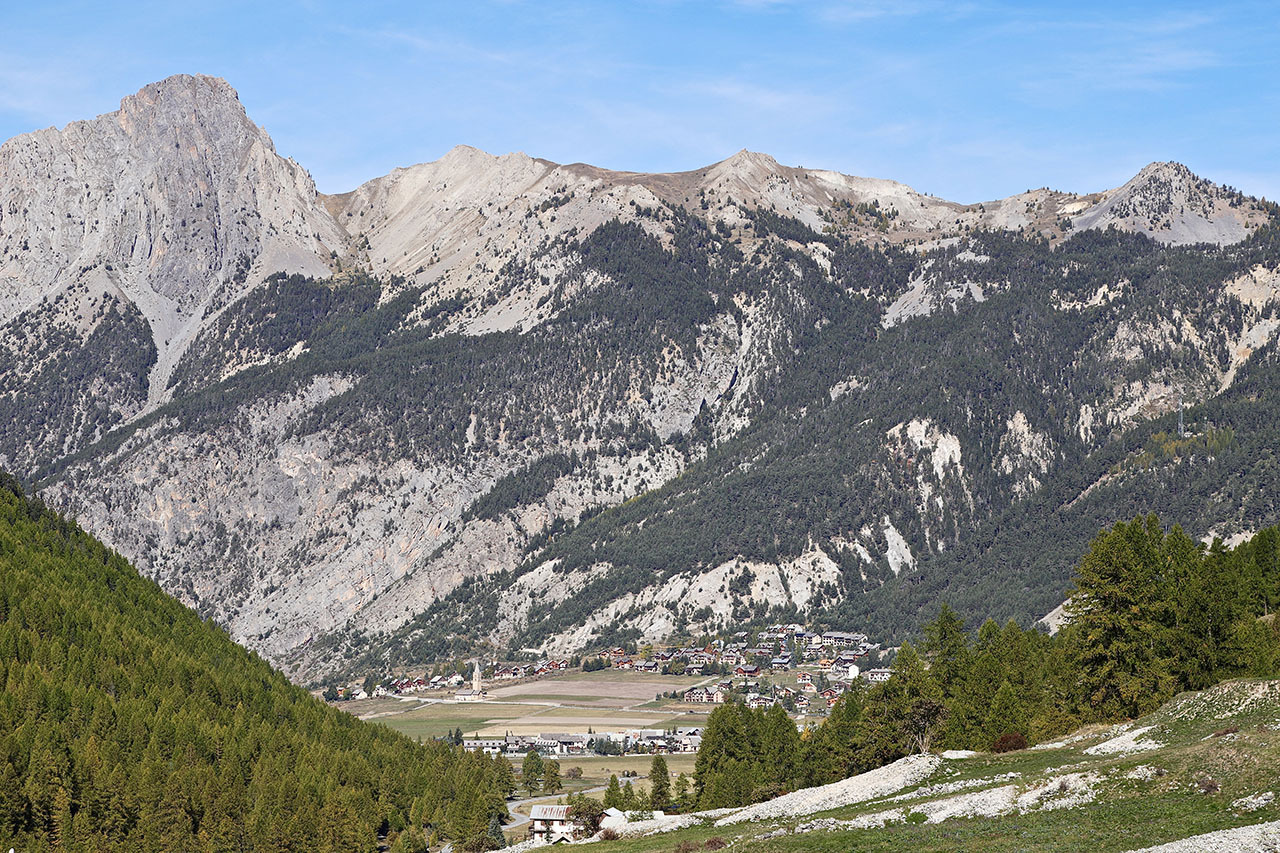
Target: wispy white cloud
741,94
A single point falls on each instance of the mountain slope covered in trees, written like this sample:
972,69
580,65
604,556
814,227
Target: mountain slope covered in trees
129,723
494,401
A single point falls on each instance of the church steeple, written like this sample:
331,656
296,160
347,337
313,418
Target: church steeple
475,678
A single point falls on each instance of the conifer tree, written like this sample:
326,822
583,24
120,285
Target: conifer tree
613,793
531,772
659,784
551,776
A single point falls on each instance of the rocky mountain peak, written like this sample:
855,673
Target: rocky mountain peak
1171,204
177,203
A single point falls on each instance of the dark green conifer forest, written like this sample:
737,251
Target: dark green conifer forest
128,723
1153,613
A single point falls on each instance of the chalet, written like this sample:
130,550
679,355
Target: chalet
755,700
845,670
648,666
833,692
802,703
689,743
704,695
731,658
843,639
563,744
875,676
804,678
694,669
625,663
781,662
552,824
746,670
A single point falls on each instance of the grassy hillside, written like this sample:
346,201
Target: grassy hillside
1196,765
128,723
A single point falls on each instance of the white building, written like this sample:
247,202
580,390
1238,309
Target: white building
551,824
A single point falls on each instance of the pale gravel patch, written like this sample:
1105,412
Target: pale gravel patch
1143,773
1058,792
1254,802
871,785
670,823
1244,839
1130,741
951,787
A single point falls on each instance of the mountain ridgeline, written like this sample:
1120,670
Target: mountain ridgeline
129,723
499,402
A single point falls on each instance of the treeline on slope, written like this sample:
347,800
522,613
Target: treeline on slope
1153,614
127,723
58,391
803,471
1017,564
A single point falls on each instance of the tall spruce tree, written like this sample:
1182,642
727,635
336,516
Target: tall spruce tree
659,784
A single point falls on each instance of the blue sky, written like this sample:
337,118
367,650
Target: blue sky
965,100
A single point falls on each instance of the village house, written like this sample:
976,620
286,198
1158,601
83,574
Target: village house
878,675
552,824
746,670
844,671
704,695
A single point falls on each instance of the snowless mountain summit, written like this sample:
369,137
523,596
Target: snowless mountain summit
482,353
178,204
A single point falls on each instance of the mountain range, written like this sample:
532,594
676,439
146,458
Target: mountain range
498,401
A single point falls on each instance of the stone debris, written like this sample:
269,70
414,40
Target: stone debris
871,785
1245,839
1129,741
1254,802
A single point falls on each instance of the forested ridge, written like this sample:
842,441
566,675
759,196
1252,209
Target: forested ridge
1153,613
128,723
803,470
688,397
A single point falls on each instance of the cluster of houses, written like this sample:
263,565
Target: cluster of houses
404,685
529,670
777,648
555,745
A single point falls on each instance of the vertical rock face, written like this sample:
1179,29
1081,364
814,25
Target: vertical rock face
176,202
